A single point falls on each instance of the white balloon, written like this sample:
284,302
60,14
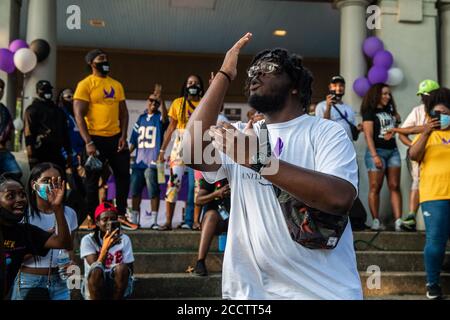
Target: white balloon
18,124
25,60
395,77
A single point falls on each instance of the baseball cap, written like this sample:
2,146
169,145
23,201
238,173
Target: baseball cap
43,85
426,86
337,79
104,207
91,55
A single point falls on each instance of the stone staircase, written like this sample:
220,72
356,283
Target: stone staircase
162,259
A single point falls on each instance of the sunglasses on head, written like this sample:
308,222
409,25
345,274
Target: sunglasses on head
155,102
265,67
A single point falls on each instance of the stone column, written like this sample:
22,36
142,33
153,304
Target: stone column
353,33
445,43
41,24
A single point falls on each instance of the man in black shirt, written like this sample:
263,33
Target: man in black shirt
46,130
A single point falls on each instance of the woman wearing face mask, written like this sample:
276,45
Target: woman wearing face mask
432,150
43,271
179,114
45,129
20,239
382,158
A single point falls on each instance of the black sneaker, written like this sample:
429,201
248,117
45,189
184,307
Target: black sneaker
200,269
434,292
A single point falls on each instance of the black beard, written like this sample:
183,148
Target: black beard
268,103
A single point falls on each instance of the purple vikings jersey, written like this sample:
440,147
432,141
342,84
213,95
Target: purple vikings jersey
147,137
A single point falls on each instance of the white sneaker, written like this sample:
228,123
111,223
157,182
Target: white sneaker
376,226
398,225
133,216
154,227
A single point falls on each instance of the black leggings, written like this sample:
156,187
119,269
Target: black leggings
120,165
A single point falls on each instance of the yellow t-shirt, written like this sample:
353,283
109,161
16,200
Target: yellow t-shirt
175,111
435,168
104,96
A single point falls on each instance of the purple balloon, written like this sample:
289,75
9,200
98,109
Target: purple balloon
7,61
383,59
372,45
378,75
361,86
18,44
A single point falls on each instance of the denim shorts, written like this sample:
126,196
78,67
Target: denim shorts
144,177
109,286
389,157
58,288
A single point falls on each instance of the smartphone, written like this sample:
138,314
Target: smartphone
435,115
113,225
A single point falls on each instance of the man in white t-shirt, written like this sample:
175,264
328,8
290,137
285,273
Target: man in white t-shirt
334,109
310,160
414,124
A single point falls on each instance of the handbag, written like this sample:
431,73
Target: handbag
38,293
309,227
353,128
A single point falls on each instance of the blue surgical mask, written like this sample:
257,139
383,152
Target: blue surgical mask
42,190
445,121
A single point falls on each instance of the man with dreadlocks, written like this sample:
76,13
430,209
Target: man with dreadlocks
179,113
292,182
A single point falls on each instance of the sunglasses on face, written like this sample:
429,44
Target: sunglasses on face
68,97
265,67
155,102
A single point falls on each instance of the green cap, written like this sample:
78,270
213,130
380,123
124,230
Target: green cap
426,86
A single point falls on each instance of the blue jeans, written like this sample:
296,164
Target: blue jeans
437,223
58,288
189,214
9,164
389,157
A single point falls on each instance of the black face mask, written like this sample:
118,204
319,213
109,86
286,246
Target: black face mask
9,217
46,95
103,67
193,90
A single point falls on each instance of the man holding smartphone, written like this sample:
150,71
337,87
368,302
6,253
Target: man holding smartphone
334,109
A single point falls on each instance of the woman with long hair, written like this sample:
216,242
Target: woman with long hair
43,272
382,158
179,114
19,239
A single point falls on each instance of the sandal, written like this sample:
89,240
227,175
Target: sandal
196,227
165,227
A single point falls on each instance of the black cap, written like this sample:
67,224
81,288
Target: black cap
337,79
43,85
92,55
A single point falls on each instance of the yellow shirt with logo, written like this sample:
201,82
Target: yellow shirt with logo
175,111
104,96
435,168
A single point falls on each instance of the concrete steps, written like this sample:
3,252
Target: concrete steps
162,259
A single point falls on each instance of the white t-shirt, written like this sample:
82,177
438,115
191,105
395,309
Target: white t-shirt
261,259
47,222
417,117
120,253
346,111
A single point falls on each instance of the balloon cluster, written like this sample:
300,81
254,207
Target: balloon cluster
22,56
381,70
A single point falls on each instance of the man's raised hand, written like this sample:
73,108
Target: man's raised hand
229,65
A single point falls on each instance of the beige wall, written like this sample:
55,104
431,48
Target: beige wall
139,71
